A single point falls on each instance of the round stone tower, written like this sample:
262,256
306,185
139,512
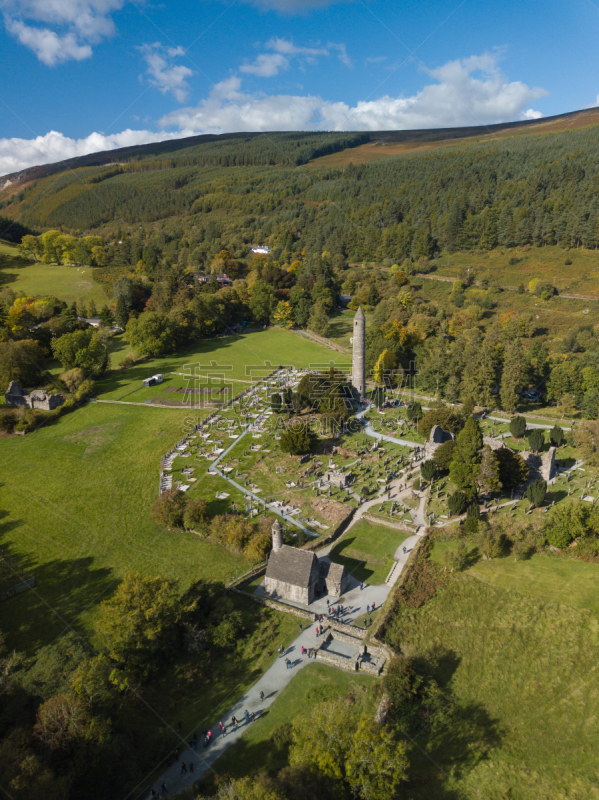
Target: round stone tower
277,536
358,369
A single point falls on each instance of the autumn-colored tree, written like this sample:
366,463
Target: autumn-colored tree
136,625
169,508
61,721
195,514
283,314
384,363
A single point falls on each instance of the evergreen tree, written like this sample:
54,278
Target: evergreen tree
488,479
536,492
518,427
512,377
536,439
556,436
465,465
122,312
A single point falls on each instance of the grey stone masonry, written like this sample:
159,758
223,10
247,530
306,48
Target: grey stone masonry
16,395
358,370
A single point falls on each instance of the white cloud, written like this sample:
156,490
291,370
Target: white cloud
266,65
376,59
17,154
48,46
60,30
471,91
163,74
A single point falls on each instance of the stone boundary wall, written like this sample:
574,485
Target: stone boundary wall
347,631
337,533
278,606
392,596
400,526
248,577
323,340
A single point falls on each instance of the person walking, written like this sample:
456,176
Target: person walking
287,663
183,767
317,631
220,726
164,788
191,767
261,697
246,714
300,627
368,609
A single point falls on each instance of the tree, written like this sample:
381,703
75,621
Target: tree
137,624
319,320
121,316
276,403
21,361
283,314
377,763
586,439
491,542
32,247
513,470
150,334
444,454
246,789
298,439
73,378
465,465
414,411
448,418
428,470
457,503
262,298
169,508
536,439
457,559
195,514
83,349
106,316
384,363
61,721
512,376
536,491
518,427
567,521
468,407
488,478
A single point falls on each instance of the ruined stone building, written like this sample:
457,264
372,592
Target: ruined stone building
17,396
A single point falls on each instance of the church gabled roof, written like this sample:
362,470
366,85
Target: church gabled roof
291,565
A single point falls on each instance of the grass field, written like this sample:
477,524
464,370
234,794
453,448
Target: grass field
247,357
262,747
367,550
66,283
513,266
76,503
523,671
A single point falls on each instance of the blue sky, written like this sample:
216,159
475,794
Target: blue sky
85,75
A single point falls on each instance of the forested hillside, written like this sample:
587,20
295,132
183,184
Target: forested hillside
538,190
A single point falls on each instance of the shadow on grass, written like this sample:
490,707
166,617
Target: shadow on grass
65,588
356,567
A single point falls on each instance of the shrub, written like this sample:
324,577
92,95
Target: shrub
168,510
457,503
444,454
536,439
8,420
195,514
428,470
473,511
536,492
556,436
86,388
129,360
470,525
416,483
523,549
491,543
518,427
73,378
298,439
276,403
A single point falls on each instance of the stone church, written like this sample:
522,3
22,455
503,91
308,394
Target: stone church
299,575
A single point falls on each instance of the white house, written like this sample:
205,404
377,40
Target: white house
261,250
